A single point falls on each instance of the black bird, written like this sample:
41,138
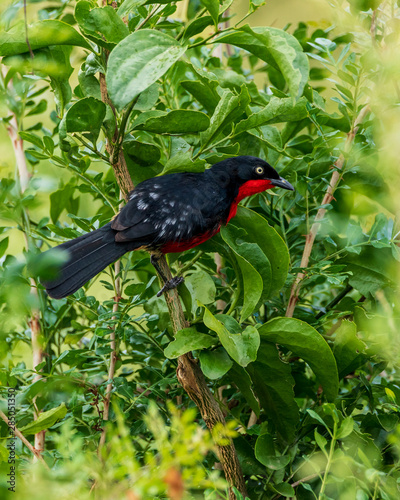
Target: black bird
170,213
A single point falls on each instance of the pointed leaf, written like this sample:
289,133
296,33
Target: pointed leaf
139,61
277,110
214,364
101,24
251,279
229,109
45,420
242,347
41,34
276,47
179,121
273,384
86,116
272,245
348,348
213,8
306,342
186,340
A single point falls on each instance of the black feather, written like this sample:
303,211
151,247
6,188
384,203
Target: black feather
87,256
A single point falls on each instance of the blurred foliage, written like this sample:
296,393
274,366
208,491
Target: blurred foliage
313,401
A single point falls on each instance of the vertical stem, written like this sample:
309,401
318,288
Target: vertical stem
192,380
117,160
34,323
310,238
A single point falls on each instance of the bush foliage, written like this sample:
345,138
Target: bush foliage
310,396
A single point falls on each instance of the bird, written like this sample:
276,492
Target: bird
165,214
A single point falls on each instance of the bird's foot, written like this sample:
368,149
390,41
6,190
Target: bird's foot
172,283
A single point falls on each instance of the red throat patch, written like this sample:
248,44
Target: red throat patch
247,189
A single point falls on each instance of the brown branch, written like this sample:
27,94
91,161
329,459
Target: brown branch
34,323
192,380
310,238
118,161
19,434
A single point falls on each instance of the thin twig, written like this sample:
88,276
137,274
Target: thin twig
310,238
19,434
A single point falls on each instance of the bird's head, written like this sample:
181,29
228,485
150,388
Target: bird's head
250,175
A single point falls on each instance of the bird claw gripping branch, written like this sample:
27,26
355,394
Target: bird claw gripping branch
171,213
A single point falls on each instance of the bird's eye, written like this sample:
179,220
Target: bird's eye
259,170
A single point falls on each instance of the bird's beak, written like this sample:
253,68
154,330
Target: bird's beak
282,183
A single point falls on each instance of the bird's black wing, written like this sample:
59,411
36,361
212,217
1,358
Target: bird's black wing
173,207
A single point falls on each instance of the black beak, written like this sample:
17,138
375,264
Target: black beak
282,183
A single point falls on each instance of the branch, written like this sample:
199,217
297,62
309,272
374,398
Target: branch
24,176
310,238
19,434
192,380
117,160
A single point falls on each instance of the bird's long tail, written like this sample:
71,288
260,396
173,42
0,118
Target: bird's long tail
86,256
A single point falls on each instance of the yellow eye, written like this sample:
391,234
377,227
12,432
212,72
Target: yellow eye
259,170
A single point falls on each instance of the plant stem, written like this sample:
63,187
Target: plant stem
335,301
310,238
329,463
19,434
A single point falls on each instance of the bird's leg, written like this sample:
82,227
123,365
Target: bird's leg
168,284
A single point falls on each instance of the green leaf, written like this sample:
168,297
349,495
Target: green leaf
277,110
348,349
229,109
128,5
201,287
147,99
276,47
266,454
101,24
45,420
32,138
52,61
186,340
89,84
139,61
272,245
183,163
242,347
346,428
3,246
41,34
197,26
315,416
243,382
320,440
214,364
204,89
142,153
371,270
284,489
179,121
305,342
213,8
273,384
86,116
251,279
